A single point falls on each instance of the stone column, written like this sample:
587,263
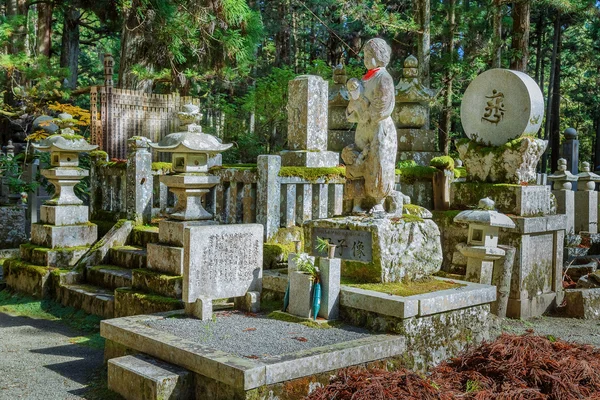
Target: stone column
307,124
138,201
330,287
565,197
570,152
268,190
586,201
96,184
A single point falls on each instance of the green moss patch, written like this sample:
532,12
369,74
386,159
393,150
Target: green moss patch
460,172
237,167
442,163
313,174
165,167
404,289
148,297
415,173
281,316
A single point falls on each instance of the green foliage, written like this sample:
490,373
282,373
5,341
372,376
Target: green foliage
322,244
442,163
313,174
305,264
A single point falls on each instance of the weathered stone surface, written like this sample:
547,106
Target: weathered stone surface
422,158
410,139
400,249
505,164
586,282
139,180
26,278
530,200
91,299
583,303
565,204
269,194
128,256
586,217
222,261
140,377
167,259
108,276
64,236
338,139
581,267
301,290
61,258
172,232
500,105
12,229
307,113
64,180
155,282
132,302
312,159
330,269
116,236
64,215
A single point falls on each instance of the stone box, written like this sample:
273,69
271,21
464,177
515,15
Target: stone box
64,236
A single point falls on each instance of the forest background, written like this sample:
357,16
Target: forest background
238,55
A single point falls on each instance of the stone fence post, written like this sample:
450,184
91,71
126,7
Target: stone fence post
565,197
570,152
268,208
96,185
586,201
139,180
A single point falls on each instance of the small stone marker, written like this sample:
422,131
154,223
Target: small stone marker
501,105
222,261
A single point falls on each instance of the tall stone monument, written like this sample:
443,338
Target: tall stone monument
411,116
307,124
341,132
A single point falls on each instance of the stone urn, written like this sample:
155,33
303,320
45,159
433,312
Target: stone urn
191,151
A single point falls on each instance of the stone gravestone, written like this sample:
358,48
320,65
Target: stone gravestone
221,261
308,100
501,105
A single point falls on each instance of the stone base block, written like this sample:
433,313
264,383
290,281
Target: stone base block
171,232
337,139
108,276
133,302
12,228
156,282
128,256
313,159
167,259
60,258
202,308
525,201
301,294
380,250
531,307
420,157
91,299
249,303
64,215
64,236
586,217
141,377
27,278
583,303
418,140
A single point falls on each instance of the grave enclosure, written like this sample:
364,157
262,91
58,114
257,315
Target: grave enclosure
224,247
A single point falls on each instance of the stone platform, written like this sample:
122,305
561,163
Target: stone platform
380,250
223,375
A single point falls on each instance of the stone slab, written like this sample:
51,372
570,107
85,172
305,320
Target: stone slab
312,159
172,232
548,223
586,217
222,261
583,303
421,140
64,215
441,301
64,236
163,258
140,377
308,98
61,258
350,244
239,372
380,303
422,158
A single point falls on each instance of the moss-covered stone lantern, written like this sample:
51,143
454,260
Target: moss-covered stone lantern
482,242
191,151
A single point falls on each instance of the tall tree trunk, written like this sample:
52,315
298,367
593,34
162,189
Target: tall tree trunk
282,37
445,124
497,35
69,53
17,9
539,33
547,125
520,39
555,117
44,29
423,20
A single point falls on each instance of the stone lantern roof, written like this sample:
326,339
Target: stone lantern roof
192,141
66,141
485,214
409,88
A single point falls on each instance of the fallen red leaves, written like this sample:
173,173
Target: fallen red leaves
524,367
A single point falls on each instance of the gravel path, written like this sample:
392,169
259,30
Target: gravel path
255,337
37,361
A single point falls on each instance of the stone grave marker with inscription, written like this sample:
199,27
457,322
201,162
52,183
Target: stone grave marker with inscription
222,261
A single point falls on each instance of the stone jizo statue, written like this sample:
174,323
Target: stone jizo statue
370,161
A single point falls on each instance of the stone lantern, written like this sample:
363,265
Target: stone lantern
586,201
565,197
191,151
482,243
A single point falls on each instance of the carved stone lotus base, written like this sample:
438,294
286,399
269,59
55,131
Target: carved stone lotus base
190,190
513,162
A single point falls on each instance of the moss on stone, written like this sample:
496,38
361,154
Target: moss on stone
460,172
404,289
149,297
68,136
112,164
483,150
366,272
99,154
238,167
408,218
281,316
165,167
412,174
314,174
442,163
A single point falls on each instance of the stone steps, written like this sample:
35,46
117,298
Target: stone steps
142,235
135,302
109,276
58,257
131,257
157,282
141,377
89,298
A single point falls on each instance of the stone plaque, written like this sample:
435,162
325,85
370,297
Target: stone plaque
351,245
501,105
222,261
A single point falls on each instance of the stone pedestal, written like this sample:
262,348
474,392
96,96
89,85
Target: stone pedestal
480,262
64,180
330,287
586,217
380,250
565,204
190,190
301,294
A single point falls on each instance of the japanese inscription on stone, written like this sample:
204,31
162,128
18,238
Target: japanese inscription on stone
494,110
350,245
222,261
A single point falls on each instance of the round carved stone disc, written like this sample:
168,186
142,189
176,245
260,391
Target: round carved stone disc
500,105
